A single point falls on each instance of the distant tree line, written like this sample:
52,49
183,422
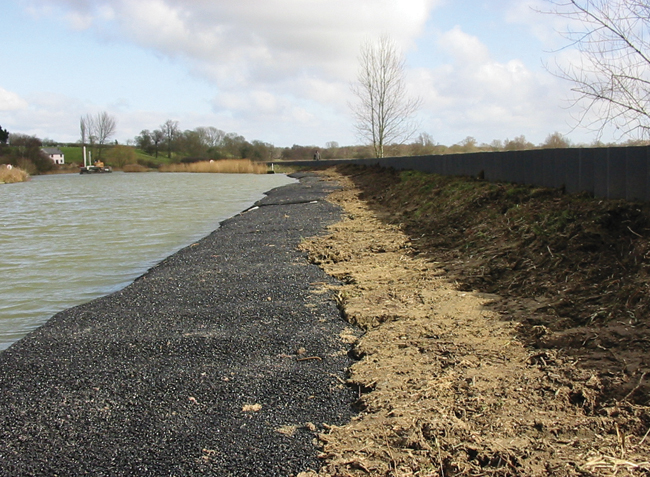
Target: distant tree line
425,145
201,143
205,143
210,143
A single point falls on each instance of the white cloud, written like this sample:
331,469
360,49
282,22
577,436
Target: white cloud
473,94
10,101
78,14
462,47
262,40
542,23
279,70
281,60
39,112
79,21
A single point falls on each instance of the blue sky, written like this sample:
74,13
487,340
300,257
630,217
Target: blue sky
279,70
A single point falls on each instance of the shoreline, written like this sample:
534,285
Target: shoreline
198,367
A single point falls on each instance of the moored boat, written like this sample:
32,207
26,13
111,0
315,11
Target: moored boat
97,167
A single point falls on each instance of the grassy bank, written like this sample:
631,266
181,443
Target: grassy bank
232,166
11,175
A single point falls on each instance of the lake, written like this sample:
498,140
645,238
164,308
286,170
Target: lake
66,239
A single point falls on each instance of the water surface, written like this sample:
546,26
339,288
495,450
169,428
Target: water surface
66,239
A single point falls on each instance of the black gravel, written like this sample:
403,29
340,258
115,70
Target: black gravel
153,379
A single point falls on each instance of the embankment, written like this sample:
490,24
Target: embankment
506,328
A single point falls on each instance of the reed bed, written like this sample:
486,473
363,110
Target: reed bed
9,174
224,166
135,168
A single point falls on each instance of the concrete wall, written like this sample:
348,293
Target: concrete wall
612,173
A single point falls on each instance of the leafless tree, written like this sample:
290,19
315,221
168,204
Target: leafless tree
84,127
97,129
331,144
611,80
383,112
555,141
519,143
88,129
210,136
170,131
157,138
105,126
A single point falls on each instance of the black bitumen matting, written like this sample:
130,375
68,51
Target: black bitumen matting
152,380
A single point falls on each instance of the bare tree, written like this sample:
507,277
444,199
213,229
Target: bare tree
331,145
84,127
170,132
97,130
384,111
104,126
157,137
612,78
87,127
555,141
210,135
519,143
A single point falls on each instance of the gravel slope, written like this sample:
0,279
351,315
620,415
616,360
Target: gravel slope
221,360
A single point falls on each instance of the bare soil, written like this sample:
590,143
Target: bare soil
506,328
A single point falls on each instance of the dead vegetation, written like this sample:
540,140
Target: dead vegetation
506,329
223,166
135,168
10,174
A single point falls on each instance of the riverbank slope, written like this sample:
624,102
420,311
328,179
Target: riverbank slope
507,328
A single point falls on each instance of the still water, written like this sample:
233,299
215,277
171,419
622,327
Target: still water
67,239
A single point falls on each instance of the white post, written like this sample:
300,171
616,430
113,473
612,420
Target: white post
84,156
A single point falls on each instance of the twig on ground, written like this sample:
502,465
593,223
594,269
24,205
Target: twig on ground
644,437
606,462
442,470
638,235
636,388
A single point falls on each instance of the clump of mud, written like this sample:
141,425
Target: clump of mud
505,328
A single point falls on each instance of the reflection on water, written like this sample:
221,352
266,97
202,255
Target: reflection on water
67,239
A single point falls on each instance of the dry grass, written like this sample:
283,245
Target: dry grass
135,168
13,174
226,166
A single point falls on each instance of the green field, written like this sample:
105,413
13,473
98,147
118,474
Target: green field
72,155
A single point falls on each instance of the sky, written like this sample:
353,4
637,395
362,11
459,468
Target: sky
281,71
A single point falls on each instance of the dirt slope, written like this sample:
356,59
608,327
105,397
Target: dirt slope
506,329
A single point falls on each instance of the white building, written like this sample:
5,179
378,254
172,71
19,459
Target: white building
55,154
